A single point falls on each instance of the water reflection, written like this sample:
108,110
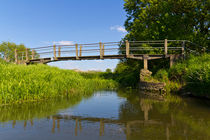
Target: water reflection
138,118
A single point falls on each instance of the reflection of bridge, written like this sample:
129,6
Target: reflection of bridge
141,50
129,125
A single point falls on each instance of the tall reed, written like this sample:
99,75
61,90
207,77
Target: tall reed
19,83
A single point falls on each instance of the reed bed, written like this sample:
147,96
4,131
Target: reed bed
19,83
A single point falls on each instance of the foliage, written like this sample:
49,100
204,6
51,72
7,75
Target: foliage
193,73
7,51
161,75
108,70
127,73
20,83
160,19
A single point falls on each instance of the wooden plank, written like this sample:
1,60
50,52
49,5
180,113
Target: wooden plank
166,47
127,48
54,47
76,47
80,51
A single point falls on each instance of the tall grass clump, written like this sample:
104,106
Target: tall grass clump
193,74
19,83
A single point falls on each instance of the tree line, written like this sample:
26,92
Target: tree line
159,20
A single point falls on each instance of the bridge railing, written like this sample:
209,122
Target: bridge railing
102,49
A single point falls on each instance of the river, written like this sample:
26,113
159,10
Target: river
107,115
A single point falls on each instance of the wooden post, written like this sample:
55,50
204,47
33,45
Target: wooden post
54,47
145,58
16,56
80,51
101,132
101,51
127,48
166,47
76,46
33,54
76,126
27,58
59,51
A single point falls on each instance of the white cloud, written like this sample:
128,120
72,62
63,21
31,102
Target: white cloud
63,42
118,28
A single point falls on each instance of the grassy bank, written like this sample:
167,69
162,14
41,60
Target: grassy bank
19,83
193,75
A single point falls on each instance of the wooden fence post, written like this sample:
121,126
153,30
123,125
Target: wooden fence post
27,57
76,46
166,47
54,47
16,56
33,54
59,51
127,48
80,51
101,51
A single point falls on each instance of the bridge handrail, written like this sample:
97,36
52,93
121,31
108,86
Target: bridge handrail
128,48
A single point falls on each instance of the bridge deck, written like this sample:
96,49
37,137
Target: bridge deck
141,50
120,56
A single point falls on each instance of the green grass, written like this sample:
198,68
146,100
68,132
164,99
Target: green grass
193,74
19,83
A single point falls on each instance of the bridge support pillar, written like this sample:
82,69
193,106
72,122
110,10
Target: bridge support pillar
145,58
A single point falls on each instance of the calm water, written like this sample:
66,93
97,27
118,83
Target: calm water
107,115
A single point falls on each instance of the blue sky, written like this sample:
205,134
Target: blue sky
38,23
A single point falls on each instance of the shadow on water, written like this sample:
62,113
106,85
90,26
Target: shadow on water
131,116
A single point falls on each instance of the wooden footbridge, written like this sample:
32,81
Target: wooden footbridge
141,50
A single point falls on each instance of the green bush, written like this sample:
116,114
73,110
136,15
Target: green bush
193,73
162,75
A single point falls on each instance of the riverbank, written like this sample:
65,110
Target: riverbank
191,76
19,83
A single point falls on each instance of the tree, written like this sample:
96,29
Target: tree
159,20
171,19
7,51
